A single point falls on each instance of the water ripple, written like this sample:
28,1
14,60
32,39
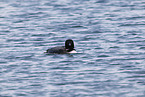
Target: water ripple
109,38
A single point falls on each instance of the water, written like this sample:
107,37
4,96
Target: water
109,37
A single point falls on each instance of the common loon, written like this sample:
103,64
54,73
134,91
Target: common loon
68,48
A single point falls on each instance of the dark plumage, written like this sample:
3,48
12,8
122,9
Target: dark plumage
68,48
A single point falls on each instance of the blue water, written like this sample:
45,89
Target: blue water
109,37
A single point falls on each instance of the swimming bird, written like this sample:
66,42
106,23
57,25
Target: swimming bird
68,48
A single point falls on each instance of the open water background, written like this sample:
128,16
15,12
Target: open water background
109,37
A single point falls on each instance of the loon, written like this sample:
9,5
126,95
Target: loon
68,48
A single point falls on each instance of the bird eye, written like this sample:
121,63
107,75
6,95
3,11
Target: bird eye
69,44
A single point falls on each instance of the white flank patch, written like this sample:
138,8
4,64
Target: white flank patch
73,51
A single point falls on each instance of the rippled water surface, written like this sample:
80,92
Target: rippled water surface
109,37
